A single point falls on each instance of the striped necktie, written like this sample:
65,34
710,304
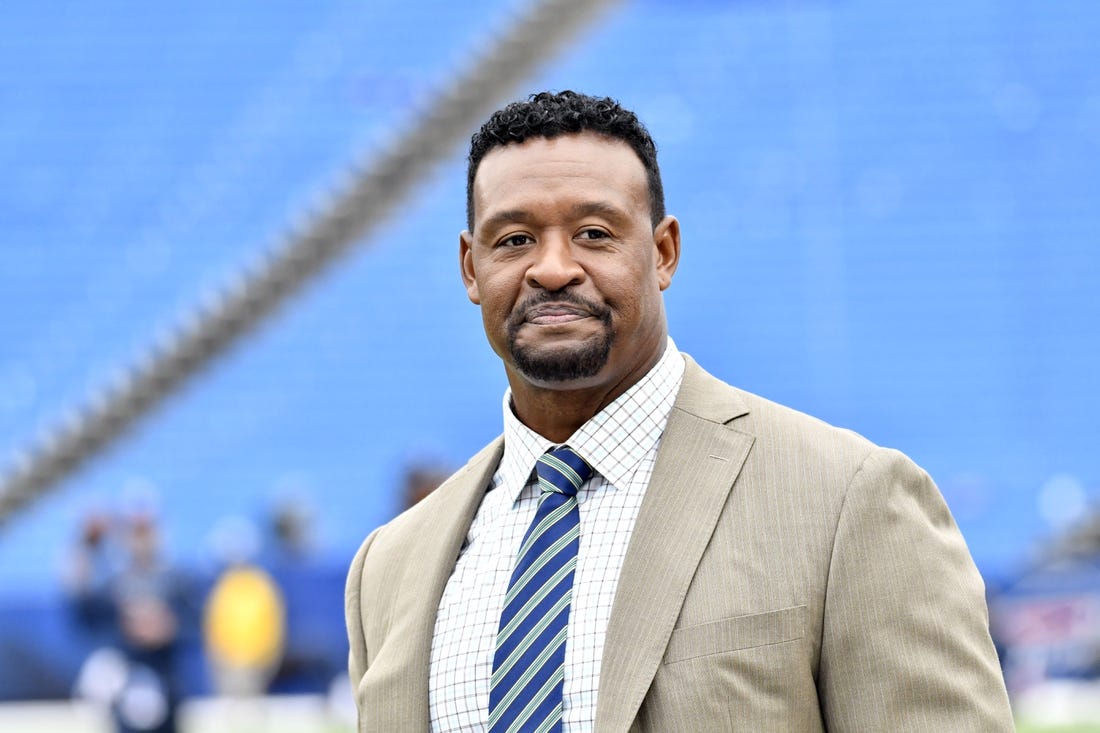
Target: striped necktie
525,691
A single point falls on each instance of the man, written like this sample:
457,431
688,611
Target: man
647,548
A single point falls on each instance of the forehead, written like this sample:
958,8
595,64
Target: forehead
543,172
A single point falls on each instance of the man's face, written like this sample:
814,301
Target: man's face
565,263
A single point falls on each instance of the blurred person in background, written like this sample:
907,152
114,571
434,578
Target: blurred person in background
290,531
137,605
244,630
289,554
90,568
647,547
421,479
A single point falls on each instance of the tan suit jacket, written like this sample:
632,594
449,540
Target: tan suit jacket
783,575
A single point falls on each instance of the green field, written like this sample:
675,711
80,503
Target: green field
1023,726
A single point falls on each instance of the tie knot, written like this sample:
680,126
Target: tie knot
562,471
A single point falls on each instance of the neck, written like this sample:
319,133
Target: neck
557,411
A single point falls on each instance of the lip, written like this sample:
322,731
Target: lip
550,314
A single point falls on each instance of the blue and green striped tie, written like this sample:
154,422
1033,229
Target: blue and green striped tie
525,694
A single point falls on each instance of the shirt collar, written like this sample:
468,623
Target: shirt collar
614,441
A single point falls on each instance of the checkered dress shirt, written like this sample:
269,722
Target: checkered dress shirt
620,443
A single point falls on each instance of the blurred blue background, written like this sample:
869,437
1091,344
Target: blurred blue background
889,215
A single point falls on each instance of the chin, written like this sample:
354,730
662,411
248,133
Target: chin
559,366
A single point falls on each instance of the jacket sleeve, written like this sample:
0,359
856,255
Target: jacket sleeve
353,615
905,639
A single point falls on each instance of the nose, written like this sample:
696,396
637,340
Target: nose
554,266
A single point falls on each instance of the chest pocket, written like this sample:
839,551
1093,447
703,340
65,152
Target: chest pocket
736,632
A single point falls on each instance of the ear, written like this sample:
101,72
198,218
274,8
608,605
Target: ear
666,238
466,266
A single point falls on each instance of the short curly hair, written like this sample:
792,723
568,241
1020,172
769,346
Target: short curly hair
550,114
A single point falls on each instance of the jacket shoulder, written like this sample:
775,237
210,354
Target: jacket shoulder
776,429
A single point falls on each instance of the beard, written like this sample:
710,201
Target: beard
561,364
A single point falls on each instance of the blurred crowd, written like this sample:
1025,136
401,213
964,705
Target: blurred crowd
266,618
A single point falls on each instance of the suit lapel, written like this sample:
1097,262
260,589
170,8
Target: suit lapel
697,463
429,564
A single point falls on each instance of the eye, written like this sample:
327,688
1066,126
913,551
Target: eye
594,234
515,240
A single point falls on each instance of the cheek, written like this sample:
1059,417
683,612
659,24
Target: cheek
632,296
497,301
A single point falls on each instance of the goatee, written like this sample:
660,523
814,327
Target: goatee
563,364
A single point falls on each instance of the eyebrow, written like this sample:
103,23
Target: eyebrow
524,216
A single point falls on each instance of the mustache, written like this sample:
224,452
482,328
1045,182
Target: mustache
560,297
